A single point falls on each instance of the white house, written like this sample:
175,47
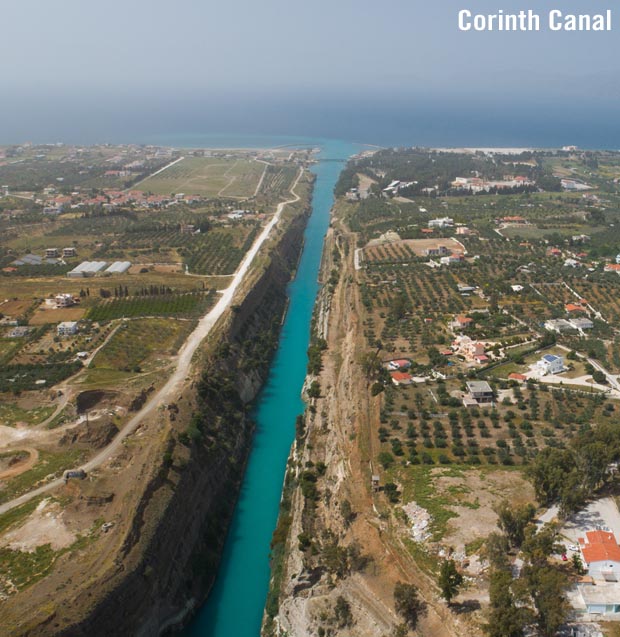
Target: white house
559,325
602,598
64,300
67,328
442,222
581,323
550,364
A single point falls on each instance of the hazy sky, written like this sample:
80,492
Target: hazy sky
77,56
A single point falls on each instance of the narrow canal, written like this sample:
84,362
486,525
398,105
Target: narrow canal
235,606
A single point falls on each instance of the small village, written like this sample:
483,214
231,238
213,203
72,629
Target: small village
492,300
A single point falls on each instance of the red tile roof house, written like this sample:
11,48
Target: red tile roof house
601,554
399,363
571,307
514,376
463,321
401,378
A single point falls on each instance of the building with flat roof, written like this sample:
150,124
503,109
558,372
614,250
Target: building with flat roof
480,391
581,323
559,325
550,364
67,328
19,332
441,222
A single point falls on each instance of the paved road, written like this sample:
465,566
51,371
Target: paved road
175,383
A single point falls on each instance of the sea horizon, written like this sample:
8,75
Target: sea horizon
447,124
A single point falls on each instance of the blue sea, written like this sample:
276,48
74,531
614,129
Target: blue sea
377,120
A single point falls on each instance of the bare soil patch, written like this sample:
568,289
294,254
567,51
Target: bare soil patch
45,315
480,492
45,525
15,308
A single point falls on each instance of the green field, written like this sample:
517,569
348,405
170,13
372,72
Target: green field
10,414
207,176
49,464
190,305
136,341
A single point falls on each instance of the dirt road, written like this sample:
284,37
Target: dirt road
20,467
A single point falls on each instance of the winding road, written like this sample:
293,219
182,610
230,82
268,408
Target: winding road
183,363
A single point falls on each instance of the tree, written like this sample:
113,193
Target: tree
371,365
386,459
399,306
342,613
408,604
506,618
347,512
548,473
315,389
546,586
449,581
513,520
538,545
391,491
496,549
578,564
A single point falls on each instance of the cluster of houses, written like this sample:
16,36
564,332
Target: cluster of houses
569,325
52,256
445,254
477,184
111,199
398,371
471,350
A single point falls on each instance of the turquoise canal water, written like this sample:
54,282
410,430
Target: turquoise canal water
235,606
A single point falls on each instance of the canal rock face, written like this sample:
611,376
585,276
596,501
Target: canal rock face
168,557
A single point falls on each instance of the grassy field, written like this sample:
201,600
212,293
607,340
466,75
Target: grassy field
534,232
137,340
40,287
210,177
10,414
191,305
49,464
